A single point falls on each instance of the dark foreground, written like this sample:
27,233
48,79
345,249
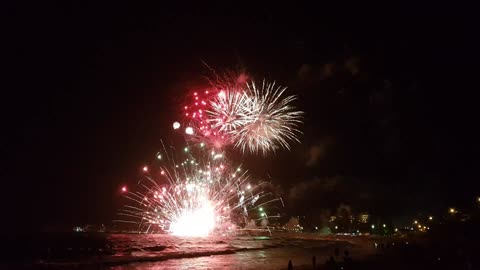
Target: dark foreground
437,250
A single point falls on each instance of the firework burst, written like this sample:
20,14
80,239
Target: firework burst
270,120
205,193
228,111
197,122
256,119
196,197
252,118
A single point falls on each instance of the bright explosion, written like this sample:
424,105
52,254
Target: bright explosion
202,219
205,193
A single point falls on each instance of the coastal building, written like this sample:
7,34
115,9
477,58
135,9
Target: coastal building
363,218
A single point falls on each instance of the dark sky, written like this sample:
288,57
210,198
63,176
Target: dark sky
390,100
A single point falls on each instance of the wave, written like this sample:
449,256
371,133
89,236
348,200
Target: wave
126,249
141,256
119,260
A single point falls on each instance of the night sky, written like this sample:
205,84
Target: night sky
390,101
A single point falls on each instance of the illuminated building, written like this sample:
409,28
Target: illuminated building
363,218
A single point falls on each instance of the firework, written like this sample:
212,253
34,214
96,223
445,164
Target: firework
270,120
205,193
251,118
256,119
228,111
196,197
198,128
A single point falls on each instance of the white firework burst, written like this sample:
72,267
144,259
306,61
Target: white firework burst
270,120
229,110
256,119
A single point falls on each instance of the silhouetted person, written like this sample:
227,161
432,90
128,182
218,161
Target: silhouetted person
330,264
347,258
290,266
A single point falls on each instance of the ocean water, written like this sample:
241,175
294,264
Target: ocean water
161,251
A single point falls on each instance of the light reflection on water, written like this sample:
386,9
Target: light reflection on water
259,259
247,253
142,251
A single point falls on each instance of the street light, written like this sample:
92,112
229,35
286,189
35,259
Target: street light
384,225
373,226
452,210
415,221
